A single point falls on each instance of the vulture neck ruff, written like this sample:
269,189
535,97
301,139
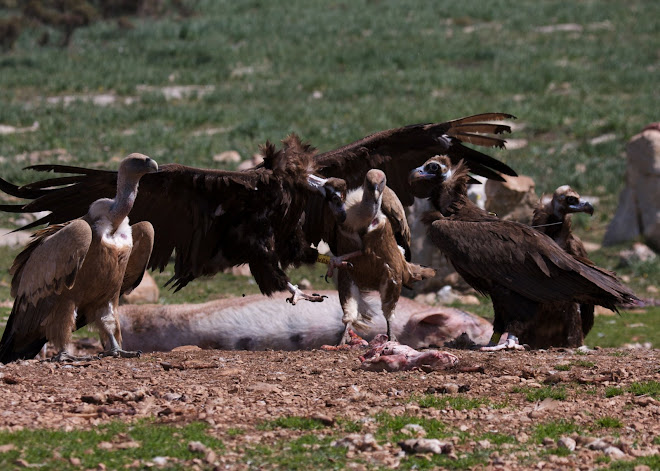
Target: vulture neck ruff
362,211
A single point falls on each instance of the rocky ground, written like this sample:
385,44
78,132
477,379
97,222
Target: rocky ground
503,394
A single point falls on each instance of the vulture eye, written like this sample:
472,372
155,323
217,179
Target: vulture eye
433,167
572,200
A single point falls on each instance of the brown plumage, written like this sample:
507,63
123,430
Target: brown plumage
367,237
517,266
72,274
561,324
265,216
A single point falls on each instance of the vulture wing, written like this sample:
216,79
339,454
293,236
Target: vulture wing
143,242
525,261
392,208
189,208
397,151
47,266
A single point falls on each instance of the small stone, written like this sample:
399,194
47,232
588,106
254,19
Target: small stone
159,460
566,442
197,447
426,445
414,429
548,442
614,453
449,388
598,444
229,156
485,444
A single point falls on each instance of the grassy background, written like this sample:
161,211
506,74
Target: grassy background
336,71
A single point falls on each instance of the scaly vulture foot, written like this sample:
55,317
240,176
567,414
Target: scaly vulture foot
64,356
506,342
340,262
347,337
119,353
297,295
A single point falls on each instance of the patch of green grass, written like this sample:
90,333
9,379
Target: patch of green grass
583,363
651,388
235,431
653,462
292,422
554,429
613,391
496,438
563,367
349,426
455,402
303,453
608,422
391,425
38,447
538,394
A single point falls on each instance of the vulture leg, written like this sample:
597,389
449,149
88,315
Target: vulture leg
108,325
297,295
390,291
339,262
355,308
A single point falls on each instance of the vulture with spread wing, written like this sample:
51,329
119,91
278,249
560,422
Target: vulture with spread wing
72,274
266,216
561,324
520,268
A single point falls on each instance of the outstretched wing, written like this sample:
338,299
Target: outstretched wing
525,261
397,151
186,206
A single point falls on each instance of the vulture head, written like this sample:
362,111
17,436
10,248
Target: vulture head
136,165
433,172
334,190
566,200
374,184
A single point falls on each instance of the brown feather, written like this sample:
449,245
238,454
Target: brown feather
516,265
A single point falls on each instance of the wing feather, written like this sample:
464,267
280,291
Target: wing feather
397,151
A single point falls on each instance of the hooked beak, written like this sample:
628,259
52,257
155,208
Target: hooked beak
418,174
153,165
317,184
584,207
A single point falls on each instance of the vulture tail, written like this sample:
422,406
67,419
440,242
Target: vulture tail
8,349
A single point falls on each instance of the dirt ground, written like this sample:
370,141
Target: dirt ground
240,390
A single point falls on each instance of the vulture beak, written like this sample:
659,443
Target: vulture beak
419,174
584,207
317,184
152,165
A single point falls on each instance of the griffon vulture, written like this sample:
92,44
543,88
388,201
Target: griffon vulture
519,267
561,324
72,274
370,235
269,215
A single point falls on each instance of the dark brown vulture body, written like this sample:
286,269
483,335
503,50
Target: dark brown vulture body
375,223
266,216
517,266
72,274
561,324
